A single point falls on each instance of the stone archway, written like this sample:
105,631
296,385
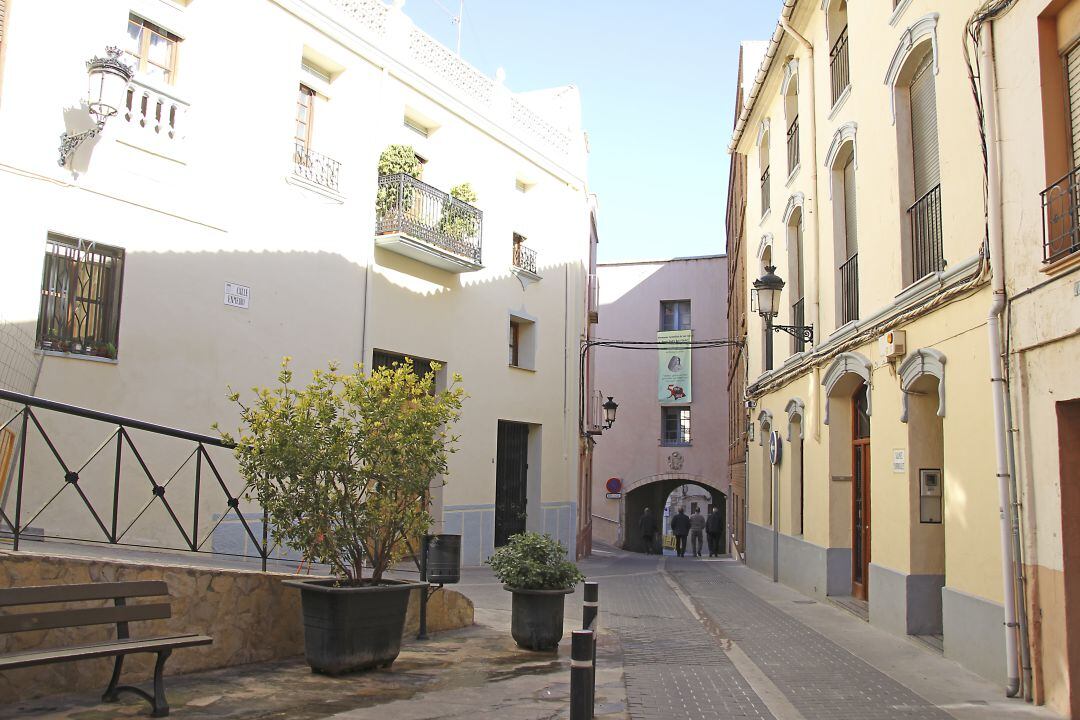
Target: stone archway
652,491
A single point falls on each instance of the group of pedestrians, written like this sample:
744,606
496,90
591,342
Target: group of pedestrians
682,526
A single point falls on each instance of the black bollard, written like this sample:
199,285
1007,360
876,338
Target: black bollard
590,616
581,654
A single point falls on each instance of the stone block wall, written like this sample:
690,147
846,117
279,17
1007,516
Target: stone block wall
251,615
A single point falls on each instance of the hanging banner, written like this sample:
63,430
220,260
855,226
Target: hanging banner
674,378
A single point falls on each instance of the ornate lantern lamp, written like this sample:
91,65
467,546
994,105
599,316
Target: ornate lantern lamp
108,82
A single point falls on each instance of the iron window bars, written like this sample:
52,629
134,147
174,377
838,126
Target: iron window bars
1061,218
849,289
793,145
839,69
81,286
316,167
926,235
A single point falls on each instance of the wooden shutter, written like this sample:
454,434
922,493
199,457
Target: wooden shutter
850,231
1072,81
924,135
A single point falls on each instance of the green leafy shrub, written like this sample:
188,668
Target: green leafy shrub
531,561
344,465
397,160
456,221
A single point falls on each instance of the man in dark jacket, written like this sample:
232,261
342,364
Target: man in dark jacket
648,529
714,528
680,528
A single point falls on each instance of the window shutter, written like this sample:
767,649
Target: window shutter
924,135
850,233
1072,79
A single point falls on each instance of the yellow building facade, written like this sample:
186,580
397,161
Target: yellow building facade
866,196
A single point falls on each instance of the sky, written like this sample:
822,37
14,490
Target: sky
657,83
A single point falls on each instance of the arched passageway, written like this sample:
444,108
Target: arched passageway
653,494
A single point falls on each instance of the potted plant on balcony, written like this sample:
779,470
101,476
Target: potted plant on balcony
458,222
396,160
342,468
535,568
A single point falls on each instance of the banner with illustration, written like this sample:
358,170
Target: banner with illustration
674,384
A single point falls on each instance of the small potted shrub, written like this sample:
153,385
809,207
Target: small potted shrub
343,468
396,160
535,568
456,221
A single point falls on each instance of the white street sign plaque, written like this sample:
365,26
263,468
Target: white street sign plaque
237,296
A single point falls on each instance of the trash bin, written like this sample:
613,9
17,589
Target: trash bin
443,559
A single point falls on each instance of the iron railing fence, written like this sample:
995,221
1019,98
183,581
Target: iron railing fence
926,235
407,205
798,319
849,289
524,258
316,167
793,145
143,486
1061,217
765,194
839,69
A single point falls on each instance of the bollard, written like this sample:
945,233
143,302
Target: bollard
590,616
581,654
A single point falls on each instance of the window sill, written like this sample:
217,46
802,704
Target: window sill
77,356
317,189
668,443
1061,264
521,367
792,175
840,102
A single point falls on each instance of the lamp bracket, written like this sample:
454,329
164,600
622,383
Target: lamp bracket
805,332
69,142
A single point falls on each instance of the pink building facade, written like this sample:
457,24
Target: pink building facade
666,434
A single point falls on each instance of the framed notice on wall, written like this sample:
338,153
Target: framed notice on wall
930,506
674,376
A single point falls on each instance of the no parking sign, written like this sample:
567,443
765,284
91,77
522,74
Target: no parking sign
614,488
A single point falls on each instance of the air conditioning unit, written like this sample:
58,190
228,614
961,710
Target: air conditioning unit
893,344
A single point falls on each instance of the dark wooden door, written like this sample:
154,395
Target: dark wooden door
511,484
860,494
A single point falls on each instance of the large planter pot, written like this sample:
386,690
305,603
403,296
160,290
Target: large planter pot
536,620
353,628
443,559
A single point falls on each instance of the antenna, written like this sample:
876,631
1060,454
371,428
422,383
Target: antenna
460,19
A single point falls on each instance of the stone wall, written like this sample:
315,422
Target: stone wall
251,616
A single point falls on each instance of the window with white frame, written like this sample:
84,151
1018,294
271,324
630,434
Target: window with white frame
674,426
151,49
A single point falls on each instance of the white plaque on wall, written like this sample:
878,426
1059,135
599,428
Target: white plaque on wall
237,296
899,460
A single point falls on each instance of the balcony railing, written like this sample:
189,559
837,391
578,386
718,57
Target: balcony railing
153,120
839,69
765,194
926,237
1061,218
316,168
849,289
524,258
798,319
793,145
410,207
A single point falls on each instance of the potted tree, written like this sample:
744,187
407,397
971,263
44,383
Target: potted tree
342,468
535,568
396,196
456,221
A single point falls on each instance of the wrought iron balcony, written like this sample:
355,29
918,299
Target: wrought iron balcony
849,289
926,236
422,222
793,145
798,319
316,168
1061,218
839,70
765,194
524,258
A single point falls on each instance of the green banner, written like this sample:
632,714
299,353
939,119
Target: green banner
674,377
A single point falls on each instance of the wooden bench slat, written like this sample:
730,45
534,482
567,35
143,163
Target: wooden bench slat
39,594
82,616
97,650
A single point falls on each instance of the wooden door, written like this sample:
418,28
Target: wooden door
511,480
860,494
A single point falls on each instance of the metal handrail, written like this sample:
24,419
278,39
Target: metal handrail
766,195
849,287
839,67
793,145
926,234
524,258
407,205
798,319
316,167
1061,217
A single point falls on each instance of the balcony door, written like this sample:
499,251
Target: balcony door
511,480
860,494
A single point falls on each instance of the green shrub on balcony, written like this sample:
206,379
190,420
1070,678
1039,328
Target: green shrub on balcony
397,160
457,222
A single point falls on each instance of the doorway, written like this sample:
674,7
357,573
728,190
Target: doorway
860,494
1068,426
511,480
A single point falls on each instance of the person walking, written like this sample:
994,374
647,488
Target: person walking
714,527
697,531
648,529
680,528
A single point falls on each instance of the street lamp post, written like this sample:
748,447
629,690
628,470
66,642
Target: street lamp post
768,289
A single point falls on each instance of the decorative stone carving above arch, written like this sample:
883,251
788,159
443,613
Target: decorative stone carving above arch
846,364
924,361
909,39
795,201
796,409
843,135
766,242
762,129
791,71
764,419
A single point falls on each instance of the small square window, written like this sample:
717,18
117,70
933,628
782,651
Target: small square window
521,341
675,315
674,426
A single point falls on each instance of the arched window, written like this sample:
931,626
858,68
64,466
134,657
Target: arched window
795,274
839,69
791,114
763,165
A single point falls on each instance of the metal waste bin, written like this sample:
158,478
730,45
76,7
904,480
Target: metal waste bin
443,559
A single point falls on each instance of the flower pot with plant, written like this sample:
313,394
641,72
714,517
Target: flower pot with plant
343,468
535,568
394,199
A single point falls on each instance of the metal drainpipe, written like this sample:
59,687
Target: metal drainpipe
811,207
997,380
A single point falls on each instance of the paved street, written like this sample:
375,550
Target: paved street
681,638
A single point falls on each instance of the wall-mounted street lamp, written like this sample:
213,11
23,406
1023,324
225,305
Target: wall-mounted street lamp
609,412
768,288
109,77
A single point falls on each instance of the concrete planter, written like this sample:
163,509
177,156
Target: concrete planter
536,619
353,628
